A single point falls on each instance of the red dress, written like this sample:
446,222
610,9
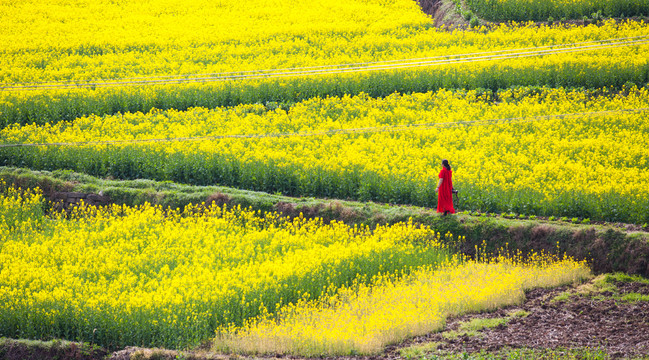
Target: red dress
445,196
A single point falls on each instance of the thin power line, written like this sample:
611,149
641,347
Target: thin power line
324,71
374,129
355,64
360,67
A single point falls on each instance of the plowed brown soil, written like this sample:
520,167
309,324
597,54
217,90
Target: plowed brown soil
605,322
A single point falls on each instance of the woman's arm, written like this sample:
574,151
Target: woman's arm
439,183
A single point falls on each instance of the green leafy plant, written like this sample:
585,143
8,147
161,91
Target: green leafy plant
597,16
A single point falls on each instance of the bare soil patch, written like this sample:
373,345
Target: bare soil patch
619,328
442,12
35,350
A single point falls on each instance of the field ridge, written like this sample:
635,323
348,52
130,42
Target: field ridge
606,246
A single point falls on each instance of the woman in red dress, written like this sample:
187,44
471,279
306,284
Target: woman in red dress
445,190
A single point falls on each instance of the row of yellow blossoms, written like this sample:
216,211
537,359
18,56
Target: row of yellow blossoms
506,156
363,319
88,41
120,276
105,27
143,276
542,10
49,41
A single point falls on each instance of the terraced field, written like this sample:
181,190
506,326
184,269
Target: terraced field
352,101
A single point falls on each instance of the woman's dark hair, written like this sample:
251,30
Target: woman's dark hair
446,164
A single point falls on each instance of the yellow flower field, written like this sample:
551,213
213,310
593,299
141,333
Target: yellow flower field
122,276
519,162
89,42
365,319
355,99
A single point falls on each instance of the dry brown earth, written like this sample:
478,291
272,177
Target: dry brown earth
597,321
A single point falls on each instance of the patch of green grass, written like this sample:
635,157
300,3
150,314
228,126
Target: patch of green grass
452,334
462,356
603,284
604,287
472,328
520,313
525,354
607,283
564,296
157,354
418,351
634,297
558,353
622,277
